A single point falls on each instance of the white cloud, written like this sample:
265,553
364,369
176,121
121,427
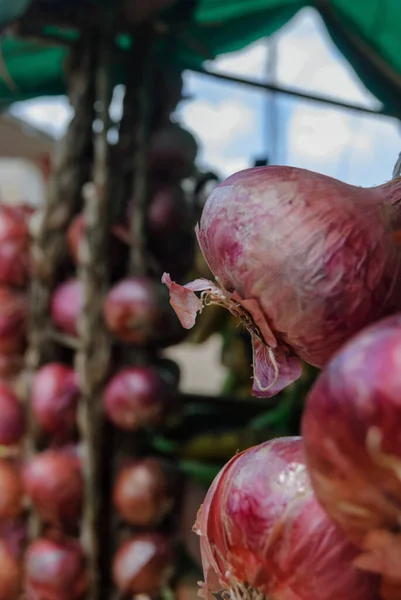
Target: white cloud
250,63
216,123
50,114
319,135
220,126
309,59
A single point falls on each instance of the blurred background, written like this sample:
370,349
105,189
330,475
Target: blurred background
321,92
235,125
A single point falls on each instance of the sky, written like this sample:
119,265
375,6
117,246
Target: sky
235,125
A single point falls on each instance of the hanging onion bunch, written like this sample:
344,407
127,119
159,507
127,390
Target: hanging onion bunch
351,428
305,261
264,535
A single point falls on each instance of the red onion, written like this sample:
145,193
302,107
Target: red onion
169,211
66,306
55,570
143,564
13,533
137,311
10,365
54,398
12,418
352,431
304,260
53,481
173,153
11,491
145,491
76,232
10,575
263,533
13,310
14,245
136,397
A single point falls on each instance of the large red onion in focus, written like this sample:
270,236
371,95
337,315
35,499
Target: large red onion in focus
53,481
10,574
55,570
137,311
143,564
352,433
137,397
12,417
303,259
66,306
14,245
11,491
264,535
13,311
145,491
54,399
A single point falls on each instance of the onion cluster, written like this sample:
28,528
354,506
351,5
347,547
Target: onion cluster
138,395
312,268
264,534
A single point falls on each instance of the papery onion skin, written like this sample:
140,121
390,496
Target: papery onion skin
145,491
137,397
264,534
11,491
55,570
12,418
143,564
304,259
54,397
66,306
352,433
10,574
53,481
137,311
13,312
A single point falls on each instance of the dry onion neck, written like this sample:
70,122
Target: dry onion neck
242,591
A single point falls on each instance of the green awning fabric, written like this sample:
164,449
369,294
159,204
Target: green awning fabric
367,32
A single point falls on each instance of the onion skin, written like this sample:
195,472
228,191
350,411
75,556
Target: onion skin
305,260
137,397
12,418
11,491
55,570
261,525
54,398
143,564
13,311
53,482
10,574
145,491
352,433
66,306
137,311
14,246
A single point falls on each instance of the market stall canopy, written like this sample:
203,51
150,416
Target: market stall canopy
368,33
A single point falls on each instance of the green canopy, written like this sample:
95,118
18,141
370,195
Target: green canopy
368,33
